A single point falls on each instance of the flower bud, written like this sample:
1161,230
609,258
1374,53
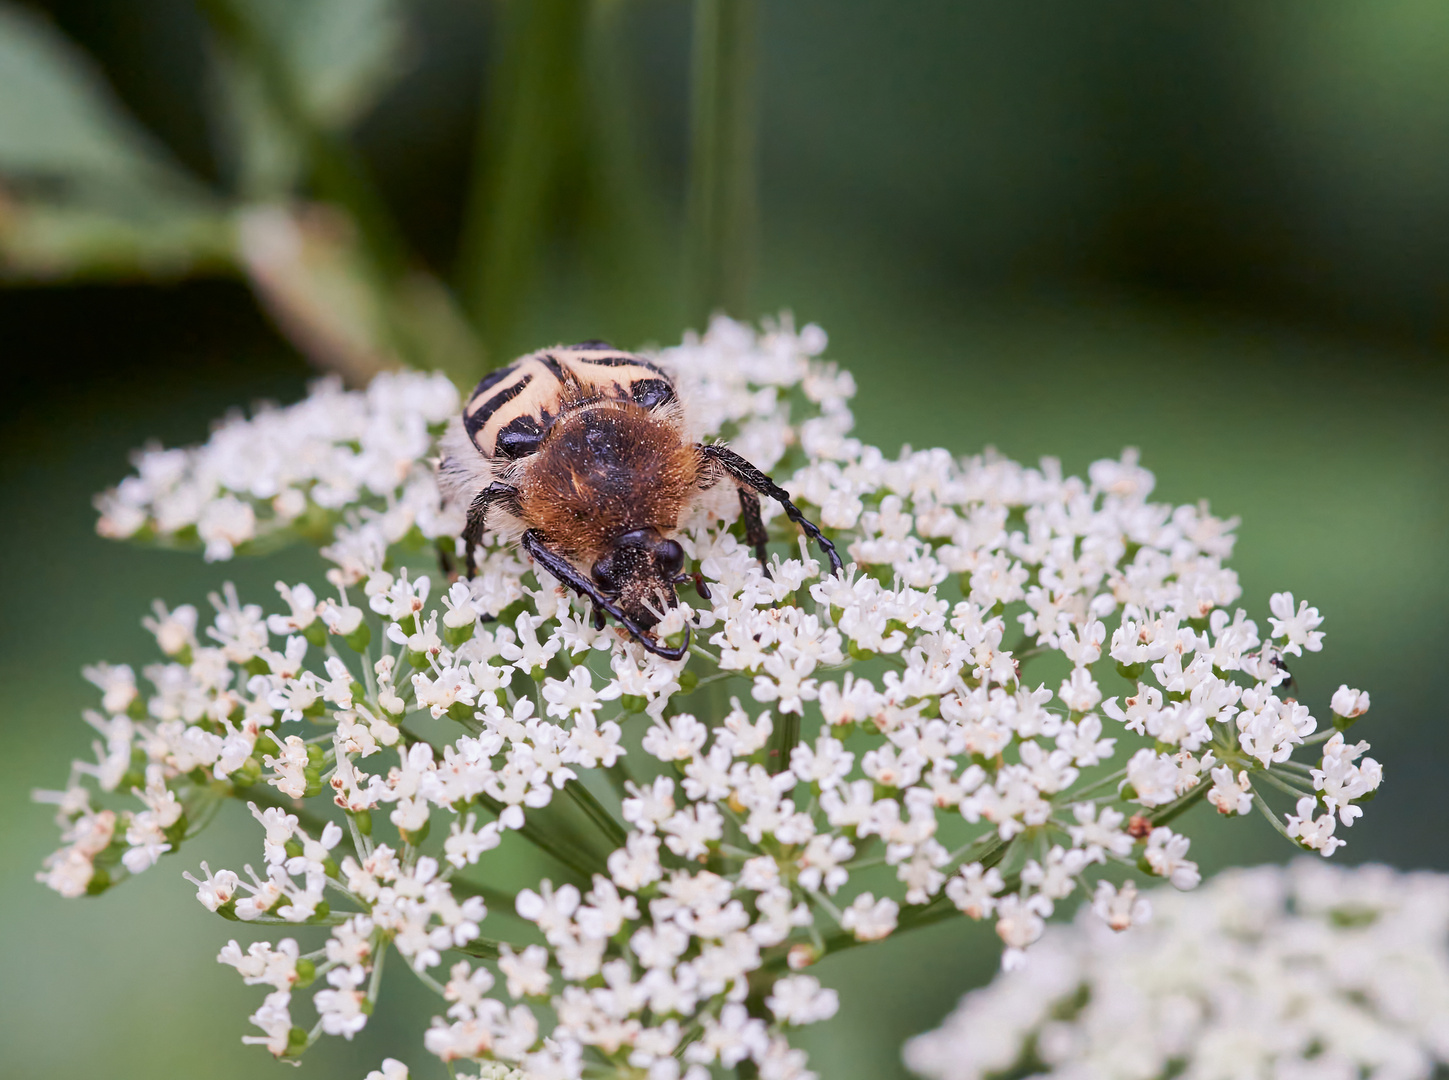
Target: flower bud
801,956
314,782
358,639
249,773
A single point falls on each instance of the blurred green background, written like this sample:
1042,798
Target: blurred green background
1217,233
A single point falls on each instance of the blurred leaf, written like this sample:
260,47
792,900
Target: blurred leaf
261,153
45,241
341,53
58,119
332,59
306,264
88,192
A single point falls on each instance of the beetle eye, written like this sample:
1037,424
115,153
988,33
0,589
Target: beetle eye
670,557
603,574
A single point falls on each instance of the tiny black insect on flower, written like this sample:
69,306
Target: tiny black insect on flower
585,449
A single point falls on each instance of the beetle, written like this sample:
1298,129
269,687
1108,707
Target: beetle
585,451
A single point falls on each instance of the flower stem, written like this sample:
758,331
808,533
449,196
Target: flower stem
532,126
595,811
1283,785
496,899
722,198
1163,814
782,742
1262,806
1106,781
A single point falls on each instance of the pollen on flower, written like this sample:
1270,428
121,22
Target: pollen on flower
836,759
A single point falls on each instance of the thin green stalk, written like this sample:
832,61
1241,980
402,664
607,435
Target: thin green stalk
993,849
782,742
496,899
484,948
1163,814
379,954
531,126
1106,781
1282,785
1296,766
332,918
596,812
1322,736
1262,806
564,849
722,169
820,901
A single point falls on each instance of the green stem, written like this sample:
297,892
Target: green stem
722,196
1281,829
532,117
993,849
496,899
1283,785
379,954
782,741
596,812
1106,781
332,918
1163,814
560,845
484,948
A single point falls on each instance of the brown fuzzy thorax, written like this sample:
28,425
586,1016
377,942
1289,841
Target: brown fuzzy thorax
604,469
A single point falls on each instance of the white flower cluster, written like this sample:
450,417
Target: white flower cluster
1309,972
292,469
836,758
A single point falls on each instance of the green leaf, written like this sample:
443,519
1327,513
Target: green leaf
85,191
46,241
59,120
329,60
341,54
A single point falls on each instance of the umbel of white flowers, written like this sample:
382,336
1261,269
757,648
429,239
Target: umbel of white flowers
1020,682
1307,972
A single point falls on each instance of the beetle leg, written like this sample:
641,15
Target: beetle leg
755,532
749,476
478,518
561,568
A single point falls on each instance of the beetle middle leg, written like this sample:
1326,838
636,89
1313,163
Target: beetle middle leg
746,475
756,535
